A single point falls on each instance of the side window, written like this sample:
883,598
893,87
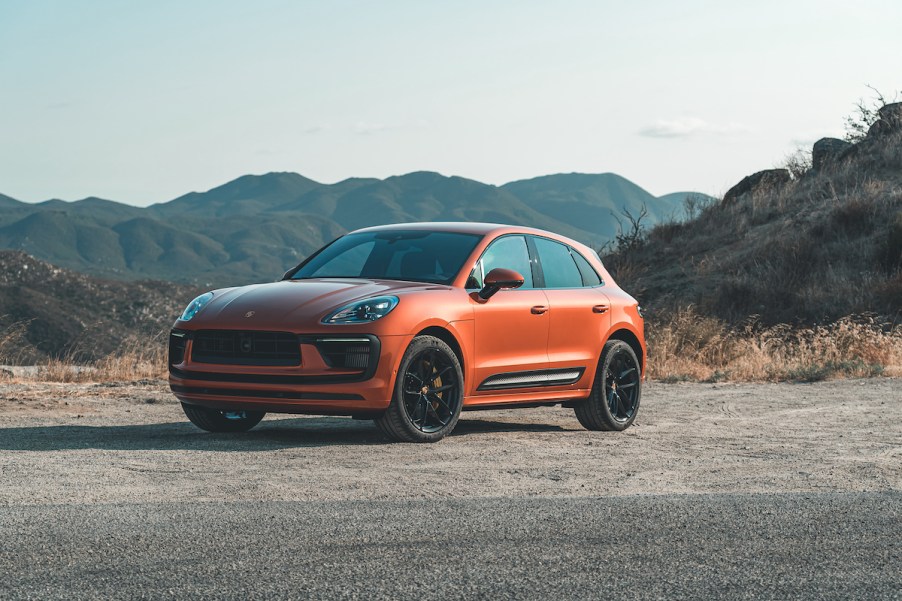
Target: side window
509,252
590,276
558,265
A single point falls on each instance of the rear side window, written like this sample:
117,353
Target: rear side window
558,265
590,276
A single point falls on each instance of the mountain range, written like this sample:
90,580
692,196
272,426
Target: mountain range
255,227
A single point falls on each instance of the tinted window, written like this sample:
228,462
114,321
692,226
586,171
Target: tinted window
558,266
509,252
350,262
590,276
419,256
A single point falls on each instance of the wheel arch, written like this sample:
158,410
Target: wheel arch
448,338
631,339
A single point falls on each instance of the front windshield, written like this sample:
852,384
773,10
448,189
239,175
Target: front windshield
417,256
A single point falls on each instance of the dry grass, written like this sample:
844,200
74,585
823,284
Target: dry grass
138,358
691,346
13,342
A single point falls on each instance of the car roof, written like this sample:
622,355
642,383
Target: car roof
462,227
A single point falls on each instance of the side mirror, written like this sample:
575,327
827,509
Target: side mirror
498,279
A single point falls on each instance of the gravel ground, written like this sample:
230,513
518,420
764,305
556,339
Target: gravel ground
66,443
735,490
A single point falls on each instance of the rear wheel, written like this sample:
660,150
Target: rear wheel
428,393
614,400
213,420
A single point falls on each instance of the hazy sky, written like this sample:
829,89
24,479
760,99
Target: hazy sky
144,101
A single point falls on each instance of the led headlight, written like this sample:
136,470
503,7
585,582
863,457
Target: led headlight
195,306
363,311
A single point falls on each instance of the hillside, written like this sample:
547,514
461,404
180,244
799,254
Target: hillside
804,249
257,226
46,311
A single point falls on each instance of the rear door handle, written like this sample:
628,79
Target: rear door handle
600,308
538,309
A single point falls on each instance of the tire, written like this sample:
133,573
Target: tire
428,393
606,409
213,420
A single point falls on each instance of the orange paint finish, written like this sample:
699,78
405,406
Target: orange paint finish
528,329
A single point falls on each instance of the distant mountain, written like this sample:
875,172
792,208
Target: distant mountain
9,203
247,195
257,226
594,202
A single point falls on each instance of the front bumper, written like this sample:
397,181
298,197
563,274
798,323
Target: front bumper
323,383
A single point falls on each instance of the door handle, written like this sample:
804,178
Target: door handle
538,310
600,308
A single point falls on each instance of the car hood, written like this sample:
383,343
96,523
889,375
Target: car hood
291,303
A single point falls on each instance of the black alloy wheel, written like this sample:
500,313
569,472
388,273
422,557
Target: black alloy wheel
616,392
428,393
213,420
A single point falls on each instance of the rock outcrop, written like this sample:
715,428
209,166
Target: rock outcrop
767,179
890,120
828,150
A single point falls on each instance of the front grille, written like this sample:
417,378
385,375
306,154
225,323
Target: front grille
232,347
177,341
345,353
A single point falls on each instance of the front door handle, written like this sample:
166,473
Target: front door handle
538,310
600,308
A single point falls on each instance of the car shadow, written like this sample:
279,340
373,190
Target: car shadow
477,426
269,435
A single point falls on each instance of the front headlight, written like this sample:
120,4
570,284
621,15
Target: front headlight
195,306
363,311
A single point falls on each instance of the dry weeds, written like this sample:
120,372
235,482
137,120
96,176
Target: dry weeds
694,347
137,358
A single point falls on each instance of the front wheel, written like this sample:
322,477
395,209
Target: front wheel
428,393
614,400
213,420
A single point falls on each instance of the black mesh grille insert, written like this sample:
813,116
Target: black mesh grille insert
245,348
345,353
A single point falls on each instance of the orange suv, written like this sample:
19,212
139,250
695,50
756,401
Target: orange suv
410,324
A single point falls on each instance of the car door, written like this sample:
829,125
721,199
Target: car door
579,310
511,327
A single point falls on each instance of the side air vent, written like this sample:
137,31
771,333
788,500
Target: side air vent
177,342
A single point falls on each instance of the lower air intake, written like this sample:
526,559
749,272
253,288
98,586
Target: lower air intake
346,353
